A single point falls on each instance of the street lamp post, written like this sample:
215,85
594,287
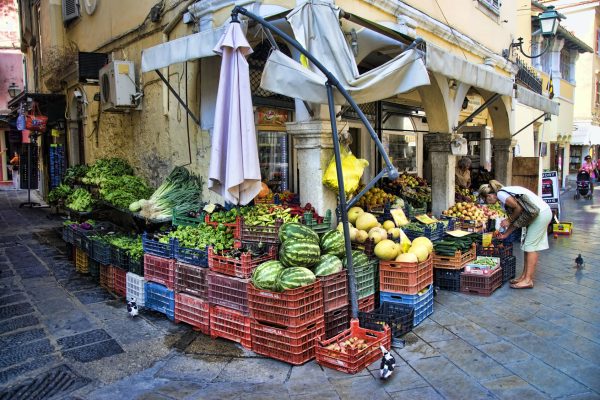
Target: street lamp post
549,21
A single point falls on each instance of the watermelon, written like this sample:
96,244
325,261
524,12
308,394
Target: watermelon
296,231
328,264
265,275
295,277
359,260
333,242
299,253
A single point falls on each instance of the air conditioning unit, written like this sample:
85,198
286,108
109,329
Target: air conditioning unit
118,92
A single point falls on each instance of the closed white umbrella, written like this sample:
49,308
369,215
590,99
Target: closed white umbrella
234,171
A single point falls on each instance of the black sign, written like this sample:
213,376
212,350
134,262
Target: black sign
25,163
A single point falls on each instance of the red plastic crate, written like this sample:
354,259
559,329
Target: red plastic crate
335,290
107,278
228,291
336,321
366,304
405,277
241,268
234,226
160,270
230,324
295,346
193,311
191,279
352,361
290,308
483,285
119,281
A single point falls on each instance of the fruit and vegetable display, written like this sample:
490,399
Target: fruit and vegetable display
413,189
74,174
497,207
268,214
364,226
121,191
374,198
80,200
105,168
199,237
485,262
267,196
133,245
463,195
465,210
406,252
59,193
228,217
349,344
449,245
180,192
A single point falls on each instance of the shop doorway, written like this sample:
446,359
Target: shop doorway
557,155
75,142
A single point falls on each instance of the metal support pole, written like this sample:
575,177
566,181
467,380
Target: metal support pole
482,107
179,99
527,126
342,196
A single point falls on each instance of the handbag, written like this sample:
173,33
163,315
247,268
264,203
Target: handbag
35,120
530,210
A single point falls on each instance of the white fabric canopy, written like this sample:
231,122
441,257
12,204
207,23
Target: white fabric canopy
479,76
316,27
537,101
234,171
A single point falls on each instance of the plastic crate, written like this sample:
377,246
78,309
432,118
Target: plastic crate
405,277
120,281
268,234
228,291
230,324
480,284
135,288
365,279
447,279
81,239
193,311
119,257
294,346
509,268
187,255
321,225
365,304
94,268
352,361
291,308
156,248
234,226
191,279
67,234
81,261
107,278
499,249
398,317
368,247
336,321
160,270
422,303
159,298
241,268
457,261
136,265
181,219
563,228
472,226
100,250
433,232
411,212
335,290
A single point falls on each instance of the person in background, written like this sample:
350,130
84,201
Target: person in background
14,162
536,237
590,167
463,173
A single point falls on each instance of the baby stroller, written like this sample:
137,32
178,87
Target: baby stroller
584,183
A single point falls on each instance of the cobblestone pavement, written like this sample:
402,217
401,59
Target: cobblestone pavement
63,336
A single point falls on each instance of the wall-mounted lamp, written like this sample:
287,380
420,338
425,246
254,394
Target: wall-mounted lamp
465,103
13,90
548,117
549,21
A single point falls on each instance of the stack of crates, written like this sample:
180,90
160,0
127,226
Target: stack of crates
447,269
159,276
366,277
335,303
504,251
408,283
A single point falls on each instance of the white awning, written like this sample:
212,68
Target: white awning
586,134
479,76
537,101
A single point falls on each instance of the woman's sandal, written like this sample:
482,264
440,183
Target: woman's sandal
516,286
513,281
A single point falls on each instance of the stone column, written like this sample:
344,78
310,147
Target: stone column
314,149
503,157
443,166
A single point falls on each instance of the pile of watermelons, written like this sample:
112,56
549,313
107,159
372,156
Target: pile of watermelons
302,258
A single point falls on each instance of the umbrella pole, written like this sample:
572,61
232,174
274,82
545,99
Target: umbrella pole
343,209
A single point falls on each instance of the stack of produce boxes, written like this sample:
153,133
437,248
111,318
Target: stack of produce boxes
451,255
159,275
504,251
482,276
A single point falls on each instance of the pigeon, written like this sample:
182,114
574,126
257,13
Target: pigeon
388,363
132,308
579,261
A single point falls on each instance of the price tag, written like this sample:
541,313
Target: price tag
486,239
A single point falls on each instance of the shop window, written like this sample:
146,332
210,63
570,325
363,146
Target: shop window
492,5
565,64
402,150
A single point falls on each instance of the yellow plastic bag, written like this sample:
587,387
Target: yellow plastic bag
352,170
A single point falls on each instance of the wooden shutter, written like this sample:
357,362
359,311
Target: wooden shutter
70,10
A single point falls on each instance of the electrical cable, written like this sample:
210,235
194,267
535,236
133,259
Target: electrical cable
451,29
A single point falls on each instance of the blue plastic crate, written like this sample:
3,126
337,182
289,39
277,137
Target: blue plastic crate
119,257
157,248
423,304
159,298
198,257
68,234
432,232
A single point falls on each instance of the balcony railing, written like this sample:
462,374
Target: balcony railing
528,77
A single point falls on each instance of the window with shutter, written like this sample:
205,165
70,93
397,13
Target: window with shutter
493,5
70,11
597,94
